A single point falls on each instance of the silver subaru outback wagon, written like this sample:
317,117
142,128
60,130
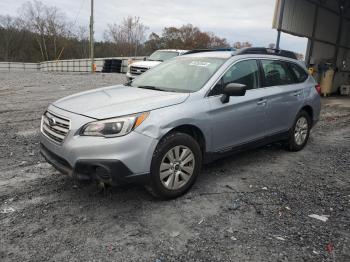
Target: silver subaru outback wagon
159,129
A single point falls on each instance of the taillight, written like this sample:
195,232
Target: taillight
318,89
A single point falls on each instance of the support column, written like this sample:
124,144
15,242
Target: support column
280,21
312,41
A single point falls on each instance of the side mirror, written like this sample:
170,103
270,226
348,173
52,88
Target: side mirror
233,89
145,58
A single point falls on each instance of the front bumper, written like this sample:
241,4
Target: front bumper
121,159
109,171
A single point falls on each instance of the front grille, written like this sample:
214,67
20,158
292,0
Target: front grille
55,127
134,70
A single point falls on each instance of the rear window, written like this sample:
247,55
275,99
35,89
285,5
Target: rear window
299,72
276,73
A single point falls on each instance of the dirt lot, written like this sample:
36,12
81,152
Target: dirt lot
250,207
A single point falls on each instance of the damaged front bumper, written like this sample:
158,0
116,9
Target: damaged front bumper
109,171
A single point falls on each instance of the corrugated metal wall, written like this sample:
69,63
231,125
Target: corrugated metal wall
298,19
327,26
345,35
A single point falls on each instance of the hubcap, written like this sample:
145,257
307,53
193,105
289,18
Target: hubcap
301,130
177,167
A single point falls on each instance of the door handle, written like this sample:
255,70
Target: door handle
297,93
261,102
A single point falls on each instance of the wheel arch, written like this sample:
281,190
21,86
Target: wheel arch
308,109
191,130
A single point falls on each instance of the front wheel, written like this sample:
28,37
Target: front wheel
175,166
300,132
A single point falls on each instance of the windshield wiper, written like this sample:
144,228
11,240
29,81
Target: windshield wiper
128,83
151,88
155,60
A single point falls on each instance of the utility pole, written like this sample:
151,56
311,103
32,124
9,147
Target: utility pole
92,36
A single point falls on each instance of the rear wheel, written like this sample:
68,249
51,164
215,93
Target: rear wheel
175,166
300,132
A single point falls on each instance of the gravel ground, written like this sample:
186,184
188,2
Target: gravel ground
254,206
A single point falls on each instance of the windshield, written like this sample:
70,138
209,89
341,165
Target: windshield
183,74
162,55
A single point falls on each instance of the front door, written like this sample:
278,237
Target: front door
242,119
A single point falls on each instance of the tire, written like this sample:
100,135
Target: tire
299,133
177,177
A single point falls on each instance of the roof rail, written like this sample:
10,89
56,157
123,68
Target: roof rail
266,51
194,51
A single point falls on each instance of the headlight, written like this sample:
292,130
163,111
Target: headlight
113,127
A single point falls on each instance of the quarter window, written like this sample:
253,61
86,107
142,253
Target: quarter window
276,73
299,73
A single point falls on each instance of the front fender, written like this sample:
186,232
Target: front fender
162,121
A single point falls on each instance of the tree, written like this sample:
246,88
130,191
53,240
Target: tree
217,42
48,24
171,38
9,28
128,36
239,45
185,37
272,46
41,32
300,56
154,43
82,35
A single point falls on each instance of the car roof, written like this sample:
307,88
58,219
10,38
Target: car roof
212,54
172,50
249,53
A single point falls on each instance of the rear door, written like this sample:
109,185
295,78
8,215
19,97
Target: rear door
284,95
242,119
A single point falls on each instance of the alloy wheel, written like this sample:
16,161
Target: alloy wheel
177,167
301,130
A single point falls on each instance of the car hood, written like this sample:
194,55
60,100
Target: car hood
117,101
146,64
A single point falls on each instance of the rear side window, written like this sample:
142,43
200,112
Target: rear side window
276,73
299,72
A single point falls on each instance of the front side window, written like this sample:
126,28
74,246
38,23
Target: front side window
276,73
244,72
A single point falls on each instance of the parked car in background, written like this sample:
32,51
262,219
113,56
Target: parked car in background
137,68
161,127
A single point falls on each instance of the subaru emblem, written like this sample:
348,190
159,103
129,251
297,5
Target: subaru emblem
52,121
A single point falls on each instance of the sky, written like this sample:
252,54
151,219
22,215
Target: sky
235,20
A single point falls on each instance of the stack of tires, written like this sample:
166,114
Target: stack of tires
112,66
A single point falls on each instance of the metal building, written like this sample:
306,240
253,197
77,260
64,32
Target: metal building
326,24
